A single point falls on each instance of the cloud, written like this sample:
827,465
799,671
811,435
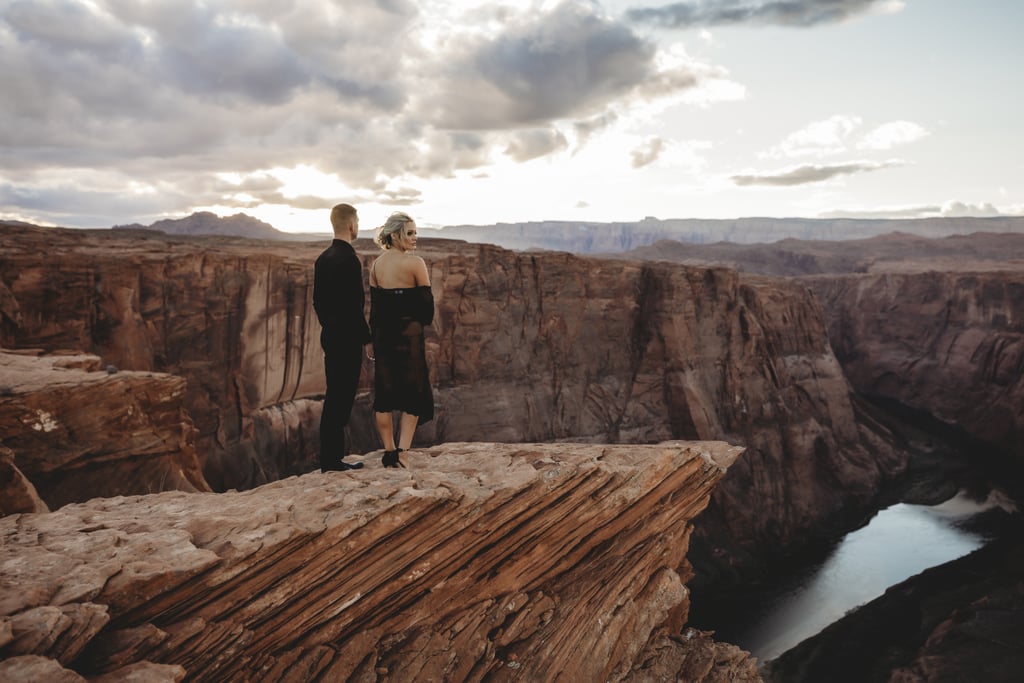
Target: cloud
818,138
649,152
956,208
65,203
795,13
891,134
530,144
567,63
898,212
585,128
802,175
836,135
173,95
949,209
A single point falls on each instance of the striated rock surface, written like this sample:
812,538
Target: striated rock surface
75,431
479,562
949,344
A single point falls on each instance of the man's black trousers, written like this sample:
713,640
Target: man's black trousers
342,366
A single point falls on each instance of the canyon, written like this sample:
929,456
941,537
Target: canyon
524,348
213,339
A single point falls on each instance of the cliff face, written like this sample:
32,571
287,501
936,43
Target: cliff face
525,347
479,562
232,317
949,344
74,431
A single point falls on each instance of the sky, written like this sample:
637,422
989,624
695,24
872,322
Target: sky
473,112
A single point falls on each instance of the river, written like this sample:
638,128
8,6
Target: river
899,542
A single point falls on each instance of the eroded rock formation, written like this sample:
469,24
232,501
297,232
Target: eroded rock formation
479,562
948,344
76,430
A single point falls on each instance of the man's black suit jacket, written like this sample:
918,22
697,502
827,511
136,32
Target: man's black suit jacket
339,299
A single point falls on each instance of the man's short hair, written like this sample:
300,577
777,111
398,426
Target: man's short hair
341,215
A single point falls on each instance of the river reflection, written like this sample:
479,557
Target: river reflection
898,543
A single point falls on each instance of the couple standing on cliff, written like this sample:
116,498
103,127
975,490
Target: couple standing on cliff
401,304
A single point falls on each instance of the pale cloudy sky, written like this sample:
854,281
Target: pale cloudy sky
464,111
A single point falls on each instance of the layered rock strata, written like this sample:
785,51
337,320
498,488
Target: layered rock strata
949,344
479,562
75,430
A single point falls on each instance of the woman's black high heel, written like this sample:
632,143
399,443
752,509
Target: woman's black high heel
390,458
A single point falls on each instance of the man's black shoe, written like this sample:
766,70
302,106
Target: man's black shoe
343,466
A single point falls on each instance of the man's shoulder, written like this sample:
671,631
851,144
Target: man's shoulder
337,250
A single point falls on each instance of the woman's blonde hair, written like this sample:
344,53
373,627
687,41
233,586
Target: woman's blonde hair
394,225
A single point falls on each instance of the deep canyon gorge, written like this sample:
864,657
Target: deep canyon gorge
136,363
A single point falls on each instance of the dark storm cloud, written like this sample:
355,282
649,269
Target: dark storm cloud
566,63
801,13
810,173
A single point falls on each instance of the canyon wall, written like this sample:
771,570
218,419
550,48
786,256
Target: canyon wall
525,347
949,344
230,316
480,562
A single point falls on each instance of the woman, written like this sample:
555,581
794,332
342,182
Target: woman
401,303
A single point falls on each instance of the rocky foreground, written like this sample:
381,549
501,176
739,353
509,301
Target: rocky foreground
480,561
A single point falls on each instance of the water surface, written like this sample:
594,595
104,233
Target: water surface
898,543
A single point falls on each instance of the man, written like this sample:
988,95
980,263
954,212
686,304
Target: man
338,300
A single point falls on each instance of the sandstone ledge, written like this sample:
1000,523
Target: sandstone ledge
481,560
497,561
76,430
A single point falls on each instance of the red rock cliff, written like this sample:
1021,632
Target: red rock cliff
950,344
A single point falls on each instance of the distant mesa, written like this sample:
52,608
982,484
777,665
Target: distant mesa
208,223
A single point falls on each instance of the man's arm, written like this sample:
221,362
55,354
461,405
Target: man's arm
353,301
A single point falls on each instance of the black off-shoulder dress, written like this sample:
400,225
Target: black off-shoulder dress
401,379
